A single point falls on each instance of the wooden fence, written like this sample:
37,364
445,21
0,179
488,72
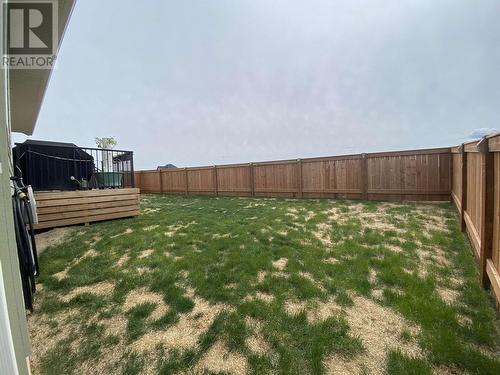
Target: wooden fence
403,175
476,194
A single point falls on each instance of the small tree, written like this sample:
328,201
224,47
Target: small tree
105,142
107,156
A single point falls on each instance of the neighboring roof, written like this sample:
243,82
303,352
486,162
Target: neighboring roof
166,166
36,142
27,87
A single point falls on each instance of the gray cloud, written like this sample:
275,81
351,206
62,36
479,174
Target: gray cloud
195,82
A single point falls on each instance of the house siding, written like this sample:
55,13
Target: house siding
16,347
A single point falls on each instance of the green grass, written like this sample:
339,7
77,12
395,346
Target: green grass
213,257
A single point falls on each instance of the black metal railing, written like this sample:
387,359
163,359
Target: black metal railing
52,166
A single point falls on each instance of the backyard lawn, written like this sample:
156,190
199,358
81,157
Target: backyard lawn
241,285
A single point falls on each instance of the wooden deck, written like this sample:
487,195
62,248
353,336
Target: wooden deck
63,208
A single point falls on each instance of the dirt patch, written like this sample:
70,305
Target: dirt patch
280,264
218,236
254,204
377,220
266,297
293,213
150,228
323,310
257,345
219,360
394,248
434,222
186,332
143,270
309,215
146,253
127,231
443,370
316,311
64,273
52,237
115,326
379,329
143,295
255,342
261,275
449,296
425,259
308,276
322,234
331,260
173,229
44,337
334,214
90,254
439,257
295,307
231,286
372,276
378,294
100,289
124,259
464,320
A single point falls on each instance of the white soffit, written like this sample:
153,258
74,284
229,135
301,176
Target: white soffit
27,87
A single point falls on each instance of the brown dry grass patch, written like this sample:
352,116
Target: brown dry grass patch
379,329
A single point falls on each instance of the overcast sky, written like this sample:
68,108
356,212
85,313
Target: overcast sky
203,82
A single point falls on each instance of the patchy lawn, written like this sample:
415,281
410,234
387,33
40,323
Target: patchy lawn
231,285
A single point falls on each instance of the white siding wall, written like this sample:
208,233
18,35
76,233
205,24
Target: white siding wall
14,342
7,354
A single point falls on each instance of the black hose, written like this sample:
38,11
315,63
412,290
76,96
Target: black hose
25,240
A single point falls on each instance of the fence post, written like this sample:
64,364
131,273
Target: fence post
161,181
463,198
216,182
186,187
486,235
299,178
364,177
137,179
252,180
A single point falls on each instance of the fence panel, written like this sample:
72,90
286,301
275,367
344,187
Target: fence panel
330,177
410,175
201,180
276,179
173,181
148,181
234,180
475,199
